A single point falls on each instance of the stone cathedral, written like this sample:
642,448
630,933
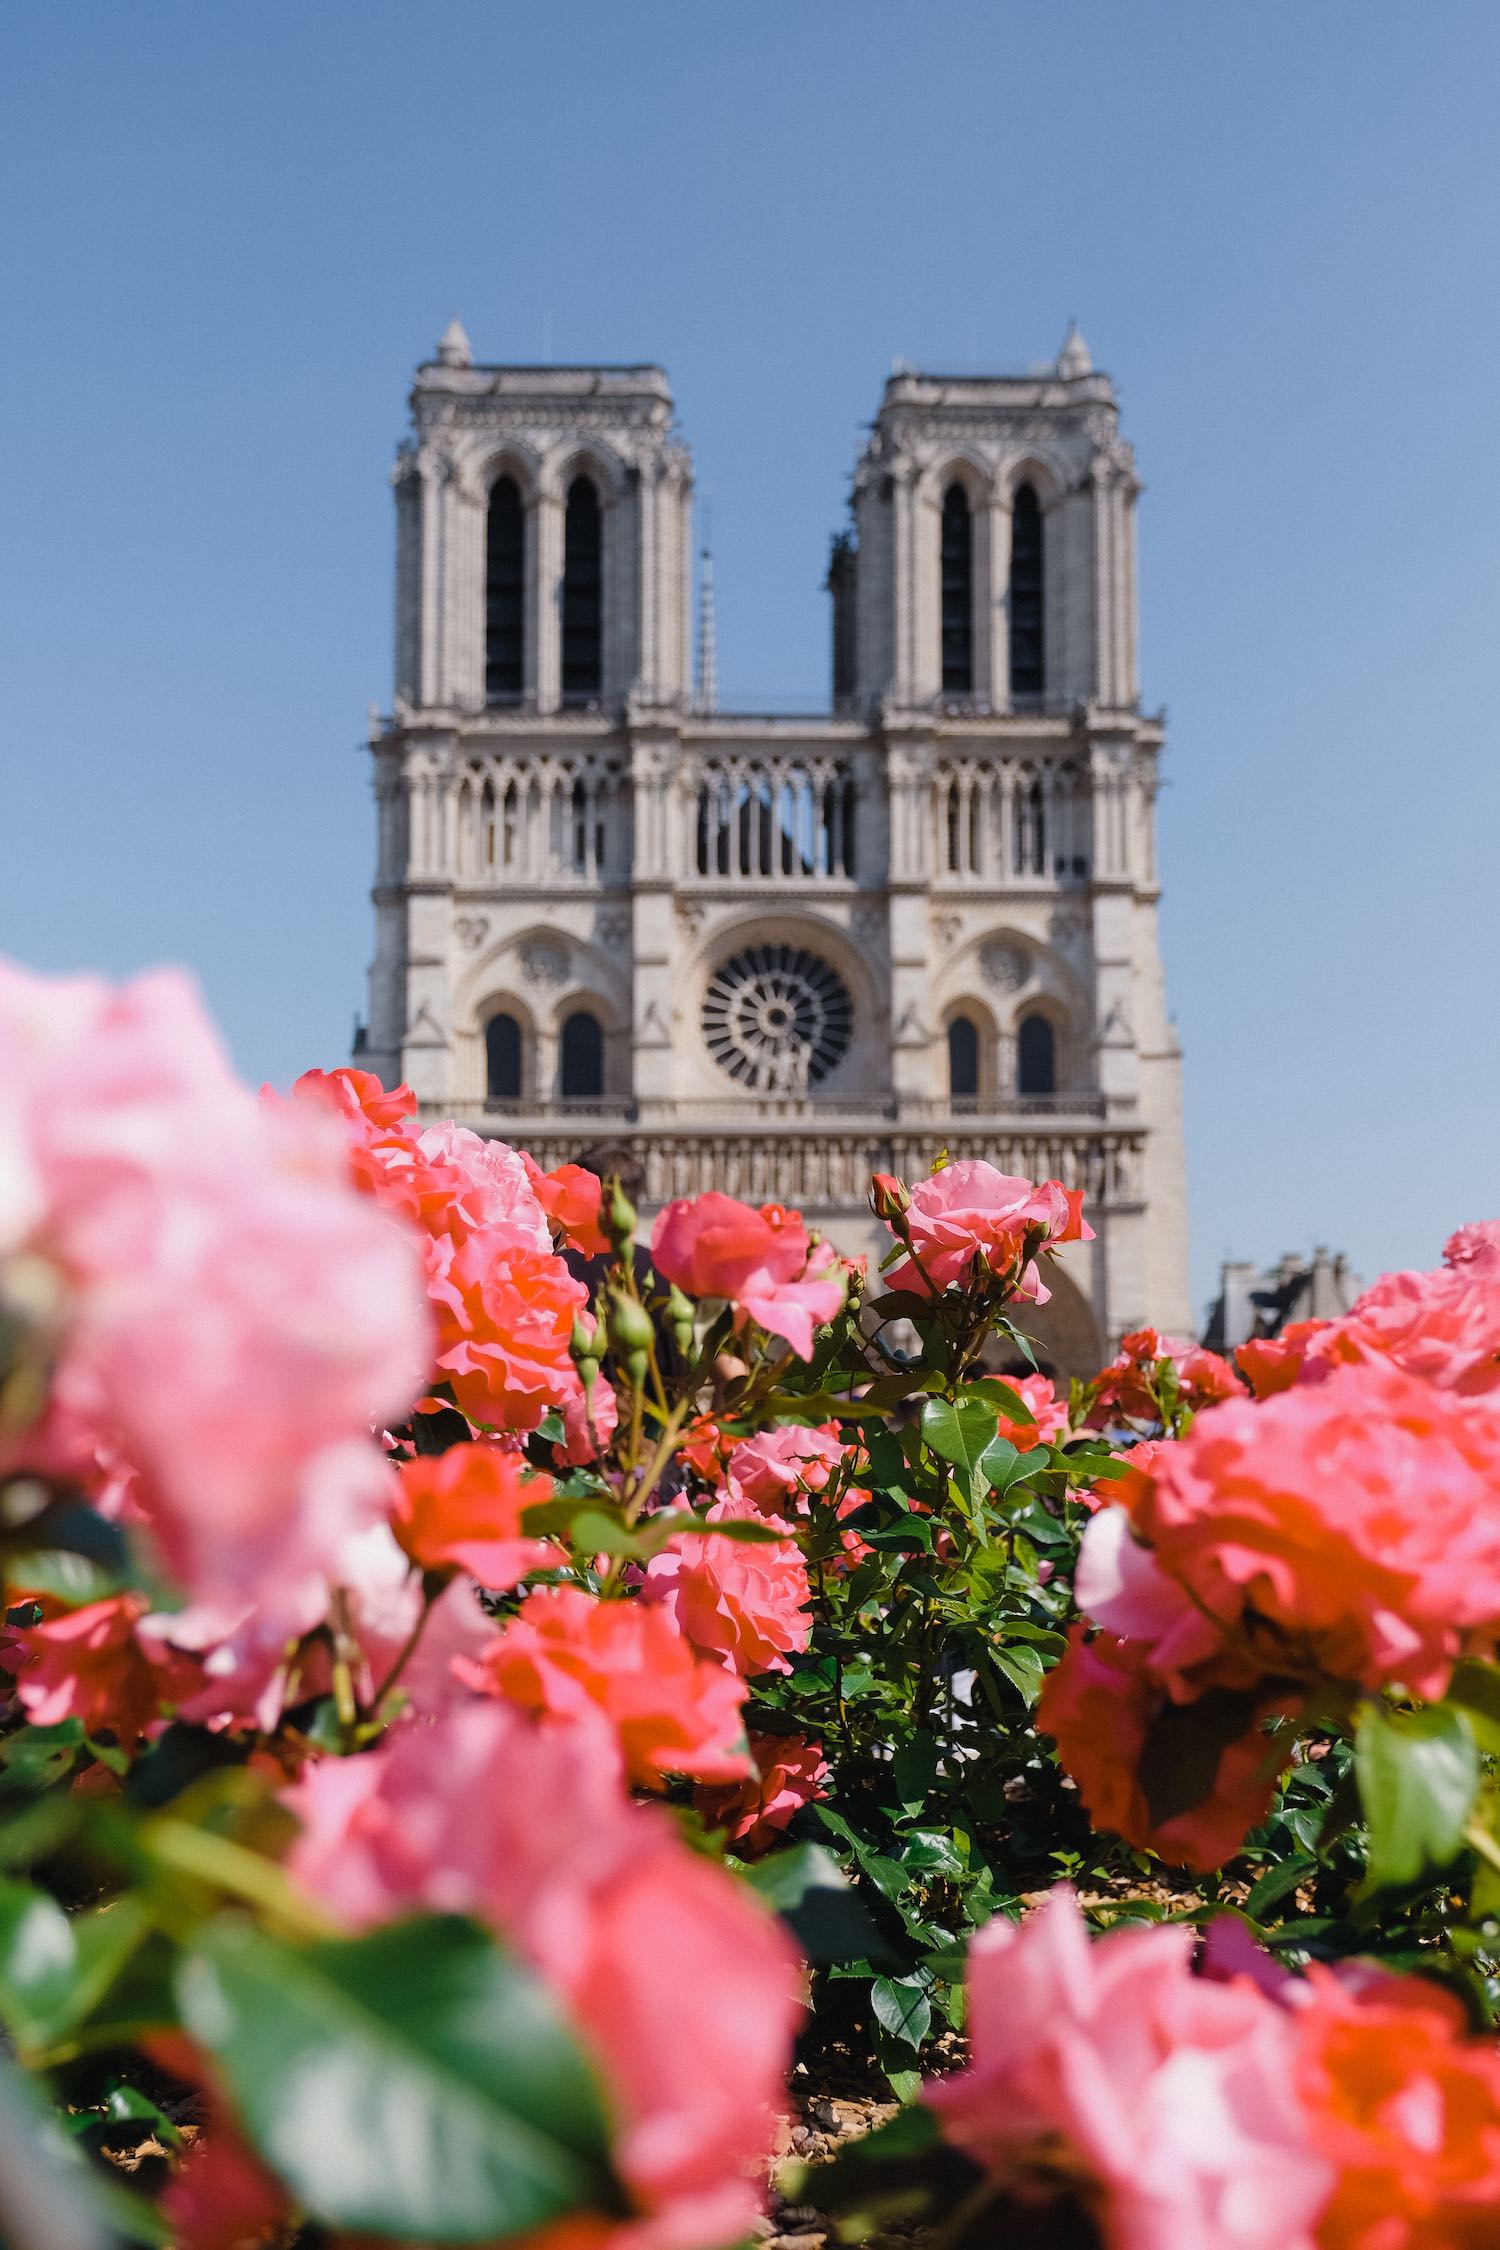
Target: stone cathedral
773,952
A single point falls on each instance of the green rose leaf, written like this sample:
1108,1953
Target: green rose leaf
814,1897
1418,1774
902,2008
1024,1668
415,2082
1475,1687
959,1431
38,1963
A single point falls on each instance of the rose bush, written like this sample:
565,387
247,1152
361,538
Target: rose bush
490,1690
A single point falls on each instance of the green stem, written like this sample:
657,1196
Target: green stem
407,1650
226,1866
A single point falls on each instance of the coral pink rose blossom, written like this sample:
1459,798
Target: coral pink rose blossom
1273,1363
231,1315
572,1199
776,1469
462,1510
506,1314
1406,2103
1125,1391
1348,1528
1100,1704
970,1211
1049,1414
756,1261
91,1664
1173,2095
570,1655
747,1604
789,1773
1443,1326
527,1825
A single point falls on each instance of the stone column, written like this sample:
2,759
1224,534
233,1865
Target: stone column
903,589
994,644
430,669
466,608
655,995
548,614
909,791
646,547
531,601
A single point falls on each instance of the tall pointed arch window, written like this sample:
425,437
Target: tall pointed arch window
963,1058
958,592
505,594
1027,652
1036,1056
581,1058
583,594
502,1058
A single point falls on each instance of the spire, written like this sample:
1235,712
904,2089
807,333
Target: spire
1075,358
708,643
454,348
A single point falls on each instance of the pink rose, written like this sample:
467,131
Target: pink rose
969,1211
789,1773
91,1664
232,1316
1127,1389
1348,1527
570,1655
1100,1704
528,1826
1049,1414
506,1315
745,1603
778,1468
1443,1326
756,1261
1171,2094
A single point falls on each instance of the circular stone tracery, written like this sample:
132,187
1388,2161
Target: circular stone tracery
777,1018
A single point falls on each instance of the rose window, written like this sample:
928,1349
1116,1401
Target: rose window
777,1018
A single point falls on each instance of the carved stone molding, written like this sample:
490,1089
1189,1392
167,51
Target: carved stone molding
471,930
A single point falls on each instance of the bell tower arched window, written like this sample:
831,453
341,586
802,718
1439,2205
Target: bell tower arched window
505,594
583,594
963,1058
581,1058
502,1059
958,592
1036,1056
1027,653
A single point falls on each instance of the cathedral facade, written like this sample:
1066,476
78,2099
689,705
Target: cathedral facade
777,953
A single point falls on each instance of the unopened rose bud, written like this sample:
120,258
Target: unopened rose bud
631,1336
586,1344
681,1319
889,1198
617,1214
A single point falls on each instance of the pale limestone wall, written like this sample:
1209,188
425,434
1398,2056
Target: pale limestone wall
936,857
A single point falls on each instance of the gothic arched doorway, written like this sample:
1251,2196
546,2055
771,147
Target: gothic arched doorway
1064,1334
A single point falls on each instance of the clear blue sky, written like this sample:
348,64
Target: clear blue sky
228,232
